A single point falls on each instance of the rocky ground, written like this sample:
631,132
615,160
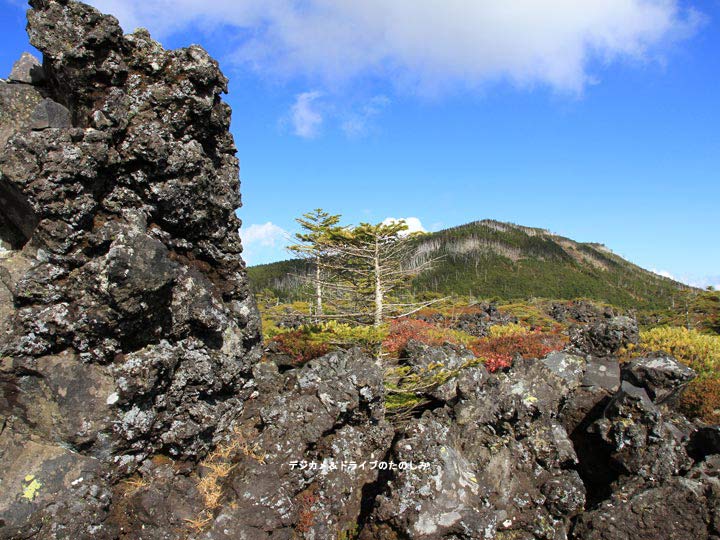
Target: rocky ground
134,402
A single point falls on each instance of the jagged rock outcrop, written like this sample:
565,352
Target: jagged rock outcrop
580,311
500,464
605,338
128,328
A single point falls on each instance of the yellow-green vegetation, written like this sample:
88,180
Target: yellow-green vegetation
273,313
693,309
697,350
406,387
349,533
31,486
503,330
338,333
531,313
450,335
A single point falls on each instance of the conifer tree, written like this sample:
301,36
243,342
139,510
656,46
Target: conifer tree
376,262
313,243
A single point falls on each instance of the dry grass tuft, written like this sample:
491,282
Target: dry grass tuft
133,485
216,467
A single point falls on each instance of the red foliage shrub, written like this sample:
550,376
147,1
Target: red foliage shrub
702,400
298,345
403,330
497,362
500,351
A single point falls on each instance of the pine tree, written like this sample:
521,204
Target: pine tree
376,262
313,243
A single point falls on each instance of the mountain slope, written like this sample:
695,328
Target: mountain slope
493,259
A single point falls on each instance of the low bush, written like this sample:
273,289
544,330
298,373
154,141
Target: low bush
336,333
702,400
300,346
406,388
499,351
531,314
512,329
497,362
403,330
699,351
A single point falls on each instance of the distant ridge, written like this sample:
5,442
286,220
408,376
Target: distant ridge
494,259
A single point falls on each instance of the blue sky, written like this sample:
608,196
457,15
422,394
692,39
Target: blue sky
597,120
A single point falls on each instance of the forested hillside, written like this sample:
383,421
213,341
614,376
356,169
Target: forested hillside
490,259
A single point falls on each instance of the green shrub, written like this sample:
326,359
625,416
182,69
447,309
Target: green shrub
697,350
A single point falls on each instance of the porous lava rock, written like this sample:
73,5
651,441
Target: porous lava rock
128,329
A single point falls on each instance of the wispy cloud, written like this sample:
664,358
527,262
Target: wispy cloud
706,281
414,224
699,281
305,115
663,273
263,242
357,123
427,45
267,234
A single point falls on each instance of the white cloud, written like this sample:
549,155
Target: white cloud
305,117
427,45
705,281
414,224
268,234
663,273
701,282
263,243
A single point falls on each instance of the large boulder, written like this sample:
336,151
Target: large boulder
315,437
27,69
493,464
663,377
677,509
642,443
128,327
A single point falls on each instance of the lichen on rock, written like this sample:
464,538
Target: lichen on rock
128,325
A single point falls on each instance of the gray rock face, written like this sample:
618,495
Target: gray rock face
640,441
662,377
421,356
499,465
128,326
318,439
17,103
603,374
580,311
678,509
49,114
571,368
28,70
605,338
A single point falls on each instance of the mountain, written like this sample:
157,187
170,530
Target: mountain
492,259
